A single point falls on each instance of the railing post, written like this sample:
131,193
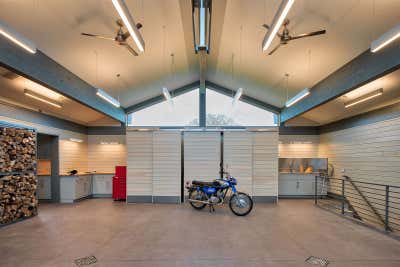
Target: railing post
387,209
315,190
343,197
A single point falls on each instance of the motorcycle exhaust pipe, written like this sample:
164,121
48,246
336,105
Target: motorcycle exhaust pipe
198,201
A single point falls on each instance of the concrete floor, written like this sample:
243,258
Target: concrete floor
176,235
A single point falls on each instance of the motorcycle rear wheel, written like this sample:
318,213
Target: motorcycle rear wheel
241,204
197,195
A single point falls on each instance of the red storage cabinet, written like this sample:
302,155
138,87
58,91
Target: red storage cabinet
119,183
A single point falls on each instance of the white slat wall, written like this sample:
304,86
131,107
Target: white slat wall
368,153
139,163
298,146
238,154
103,158
202,155
265,163
166,163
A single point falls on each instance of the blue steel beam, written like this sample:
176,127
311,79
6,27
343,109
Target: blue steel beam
42,69
361,70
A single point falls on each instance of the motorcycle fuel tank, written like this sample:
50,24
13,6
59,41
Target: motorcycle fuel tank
209,190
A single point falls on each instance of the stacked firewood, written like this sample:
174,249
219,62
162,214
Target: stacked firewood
17,178
17,197
17,150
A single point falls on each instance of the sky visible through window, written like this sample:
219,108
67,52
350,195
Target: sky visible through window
184,111
238,114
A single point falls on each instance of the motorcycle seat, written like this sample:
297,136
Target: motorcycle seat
202,183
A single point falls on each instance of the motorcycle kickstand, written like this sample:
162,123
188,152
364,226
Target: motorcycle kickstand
212,208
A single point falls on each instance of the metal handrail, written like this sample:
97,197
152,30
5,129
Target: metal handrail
345,194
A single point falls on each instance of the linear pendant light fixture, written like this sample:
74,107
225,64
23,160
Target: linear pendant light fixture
364,98
385,39
101,93
42,98
237,96
298,97
277,22
129,23
17,38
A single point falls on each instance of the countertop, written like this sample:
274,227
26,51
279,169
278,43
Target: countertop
86,173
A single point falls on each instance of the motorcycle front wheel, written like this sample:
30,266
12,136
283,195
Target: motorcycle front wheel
241,204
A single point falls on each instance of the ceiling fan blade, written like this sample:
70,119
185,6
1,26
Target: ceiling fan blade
307,34
273,50
130,49
97,36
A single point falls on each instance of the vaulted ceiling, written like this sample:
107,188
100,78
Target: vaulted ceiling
237,32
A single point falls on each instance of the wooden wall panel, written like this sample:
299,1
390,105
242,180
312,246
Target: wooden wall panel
167,163
103,158
139,147
238,155
265,163
202,155
298,146
366,153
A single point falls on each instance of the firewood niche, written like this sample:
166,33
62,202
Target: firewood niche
18,180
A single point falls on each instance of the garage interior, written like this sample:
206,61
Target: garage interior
110,109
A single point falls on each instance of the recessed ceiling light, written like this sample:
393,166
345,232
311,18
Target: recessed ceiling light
77,140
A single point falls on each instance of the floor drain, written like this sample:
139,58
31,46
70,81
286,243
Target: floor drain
85,261
317,261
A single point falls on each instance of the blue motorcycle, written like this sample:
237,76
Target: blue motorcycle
213,193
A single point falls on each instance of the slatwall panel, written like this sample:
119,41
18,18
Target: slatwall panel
139,147
238,154
167,163
298,146
265,163
369,153
73,156
103,158
202,155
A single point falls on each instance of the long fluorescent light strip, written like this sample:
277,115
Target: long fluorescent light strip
42,99
277,23
101,93
385,39
25,44
120,6
298,97
364,98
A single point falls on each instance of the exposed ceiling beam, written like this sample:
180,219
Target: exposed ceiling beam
245,98
359,71
160,98
42,69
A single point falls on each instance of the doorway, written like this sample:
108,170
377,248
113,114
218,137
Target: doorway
48,189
